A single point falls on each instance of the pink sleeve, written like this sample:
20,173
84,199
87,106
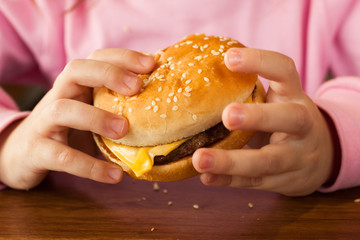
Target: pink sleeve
15,61
340,99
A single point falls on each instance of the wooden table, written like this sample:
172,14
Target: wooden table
67,207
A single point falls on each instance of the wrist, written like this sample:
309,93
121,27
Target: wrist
4,136
336,161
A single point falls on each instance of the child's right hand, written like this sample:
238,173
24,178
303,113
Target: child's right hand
40,142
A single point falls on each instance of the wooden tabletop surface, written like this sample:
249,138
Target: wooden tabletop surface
67,207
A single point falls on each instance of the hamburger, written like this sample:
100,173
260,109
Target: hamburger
178,110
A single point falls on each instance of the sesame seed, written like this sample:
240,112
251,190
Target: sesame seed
201,48
231,42
195,46
187,94
205,56
157,99
194,117
175,99
163,115
153,103
206,38
188,89
199,71
190,64
172,74
188,81
168,100
179,62
179,90
130,110
206,45
198,58
116,99
196,206
206,79
221,46
176,46
175,108
171,94
148,108
184,75
221,50
156,186
214,52
156,108
159,89
169,59
189,42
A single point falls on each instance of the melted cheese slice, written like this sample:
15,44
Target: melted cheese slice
140,159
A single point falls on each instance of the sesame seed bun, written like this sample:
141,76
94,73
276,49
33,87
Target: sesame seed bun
183,96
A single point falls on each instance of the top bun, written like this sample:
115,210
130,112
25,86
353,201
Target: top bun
184,95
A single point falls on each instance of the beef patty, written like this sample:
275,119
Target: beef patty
188,147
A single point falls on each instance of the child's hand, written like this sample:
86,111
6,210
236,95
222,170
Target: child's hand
297,159
41,142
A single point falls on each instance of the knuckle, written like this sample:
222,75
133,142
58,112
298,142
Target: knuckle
56,109
93,170
289,66
95,54
72,64
65,158
270,162
110,73
302,117
229,164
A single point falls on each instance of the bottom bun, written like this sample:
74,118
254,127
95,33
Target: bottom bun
183,168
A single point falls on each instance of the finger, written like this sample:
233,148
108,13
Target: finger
82,116
210,179
269,160
80,74
278,68
277,183
58,157
128,59
268,117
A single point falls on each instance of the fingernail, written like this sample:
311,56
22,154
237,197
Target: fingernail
208,178
236,117
206,162
130,81
115,173
234,56
146,61
118,126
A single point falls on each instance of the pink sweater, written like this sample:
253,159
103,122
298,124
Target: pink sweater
37,40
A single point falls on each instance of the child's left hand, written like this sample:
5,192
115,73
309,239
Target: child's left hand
298,156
